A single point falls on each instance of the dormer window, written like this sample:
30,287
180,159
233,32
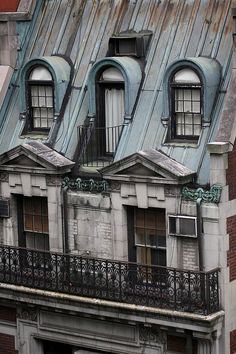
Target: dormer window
110,108
190,88
40,99
186,104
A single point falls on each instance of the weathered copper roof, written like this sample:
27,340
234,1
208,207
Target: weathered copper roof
80,30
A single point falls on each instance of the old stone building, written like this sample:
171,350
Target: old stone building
117,177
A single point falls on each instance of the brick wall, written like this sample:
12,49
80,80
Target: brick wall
230,173
7,344
7,314
178,344
9,5
231,255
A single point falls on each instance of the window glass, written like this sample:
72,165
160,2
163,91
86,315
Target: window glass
40,73
40,98
150,236
186,76
35,216
186,98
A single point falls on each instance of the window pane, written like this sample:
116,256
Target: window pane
140,237
187,226
35,214
49,102
151,235
187,106
196,107
49,91
186,76
30,240
161,257
41,242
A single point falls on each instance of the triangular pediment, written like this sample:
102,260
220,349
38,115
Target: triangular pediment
151,166
23,160
34,156
138,169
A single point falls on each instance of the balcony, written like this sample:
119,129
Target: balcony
97,145
160,287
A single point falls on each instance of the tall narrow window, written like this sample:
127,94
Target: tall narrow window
33,218
110,107
40,99
186,98
149,236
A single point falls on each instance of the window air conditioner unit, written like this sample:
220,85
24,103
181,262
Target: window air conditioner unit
181,225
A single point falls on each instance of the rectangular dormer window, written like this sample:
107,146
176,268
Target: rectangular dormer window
129,44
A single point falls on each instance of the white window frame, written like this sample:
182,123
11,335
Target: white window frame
177,218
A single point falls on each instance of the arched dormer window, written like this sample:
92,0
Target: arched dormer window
190,88
110,108
44,84
186,104
40,97
113,86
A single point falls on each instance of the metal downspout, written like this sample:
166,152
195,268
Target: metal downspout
65,220
199,234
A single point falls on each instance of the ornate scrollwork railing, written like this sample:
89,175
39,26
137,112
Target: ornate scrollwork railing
160,287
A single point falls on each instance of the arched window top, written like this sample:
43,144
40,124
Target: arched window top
55,70
40,73
127,71
112,74
186,76
200,72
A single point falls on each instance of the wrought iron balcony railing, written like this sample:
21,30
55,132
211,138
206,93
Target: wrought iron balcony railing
97,145
160,287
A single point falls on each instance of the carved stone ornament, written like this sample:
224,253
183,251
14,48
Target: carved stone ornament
27,313
53,181
151,334
4,177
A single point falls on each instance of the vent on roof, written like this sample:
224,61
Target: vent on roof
129,44
180,225
4,208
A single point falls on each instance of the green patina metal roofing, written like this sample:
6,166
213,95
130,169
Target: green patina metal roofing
80,30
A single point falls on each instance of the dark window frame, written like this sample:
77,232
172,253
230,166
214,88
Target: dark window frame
23,215
29,115
173,87
100,121
132,228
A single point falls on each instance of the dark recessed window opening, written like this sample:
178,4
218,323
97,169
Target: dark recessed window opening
147,236
33,222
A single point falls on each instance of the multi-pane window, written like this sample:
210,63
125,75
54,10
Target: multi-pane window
150,236
40,99
186,105
35,222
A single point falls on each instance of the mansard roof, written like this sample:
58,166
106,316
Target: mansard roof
180,30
